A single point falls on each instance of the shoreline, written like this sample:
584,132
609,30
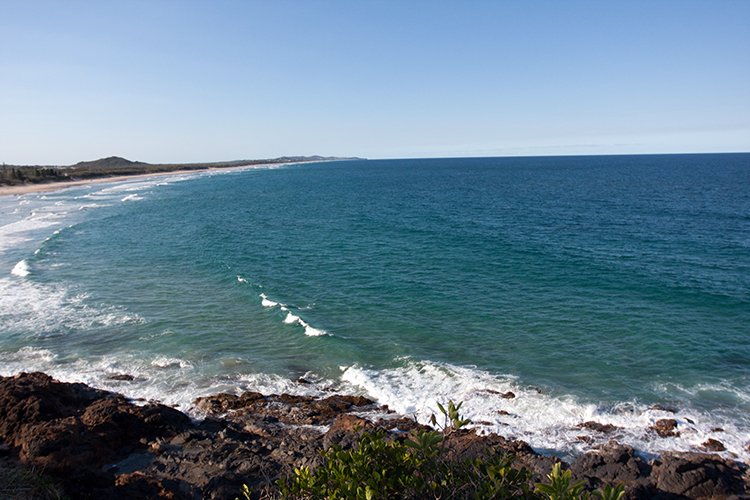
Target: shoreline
101,444
45,187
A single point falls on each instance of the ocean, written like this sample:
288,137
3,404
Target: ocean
613,289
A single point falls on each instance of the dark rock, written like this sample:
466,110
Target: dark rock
504,395
345,431
717,429
502,412
665,427
695,475
121,376
303,381
665,408
223,402
100,445
598,427
714,445
613,463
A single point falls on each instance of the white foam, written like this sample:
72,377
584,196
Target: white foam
37,309
167,362
89,206
548,423
172,381
265,302
291,318
241,279
18,232
310,331
32,353
21,269
314,332
132,197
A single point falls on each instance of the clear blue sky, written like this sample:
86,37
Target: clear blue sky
173,81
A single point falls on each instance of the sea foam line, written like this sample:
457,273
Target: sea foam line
173,381
290,318
501,405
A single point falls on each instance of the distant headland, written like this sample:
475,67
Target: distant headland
115,166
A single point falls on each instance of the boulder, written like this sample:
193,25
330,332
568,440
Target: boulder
714,445
598,427
695,475
666,427
611,464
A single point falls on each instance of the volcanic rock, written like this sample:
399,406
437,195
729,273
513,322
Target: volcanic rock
98,444
598,427
665,427
714,445
695,475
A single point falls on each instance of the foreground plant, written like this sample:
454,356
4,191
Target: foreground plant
561,487
381,466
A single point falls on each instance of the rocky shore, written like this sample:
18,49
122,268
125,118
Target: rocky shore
98,444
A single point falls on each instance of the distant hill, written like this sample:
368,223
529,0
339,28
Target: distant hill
109,162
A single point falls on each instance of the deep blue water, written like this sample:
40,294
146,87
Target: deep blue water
593,287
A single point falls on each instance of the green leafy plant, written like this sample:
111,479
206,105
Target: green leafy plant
610,492
421,466
452,420
560,486
381,466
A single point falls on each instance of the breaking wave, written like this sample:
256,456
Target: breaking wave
549,423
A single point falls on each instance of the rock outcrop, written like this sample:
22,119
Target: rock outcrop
98,444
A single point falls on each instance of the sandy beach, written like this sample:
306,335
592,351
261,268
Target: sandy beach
56,186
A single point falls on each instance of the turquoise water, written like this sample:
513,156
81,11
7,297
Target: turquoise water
591,287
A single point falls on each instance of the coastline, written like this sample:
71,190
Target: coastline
43,187
99,444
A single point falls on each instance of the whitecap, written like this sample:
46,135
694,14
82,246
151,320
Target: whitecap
167,362
265,302
310,331
21,269
132,197
291,318
315,332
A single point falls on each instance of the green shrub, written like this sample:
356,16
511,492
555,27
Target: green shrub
380,466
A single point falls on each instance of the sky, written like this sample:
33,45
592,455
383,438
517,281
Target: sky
189,81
